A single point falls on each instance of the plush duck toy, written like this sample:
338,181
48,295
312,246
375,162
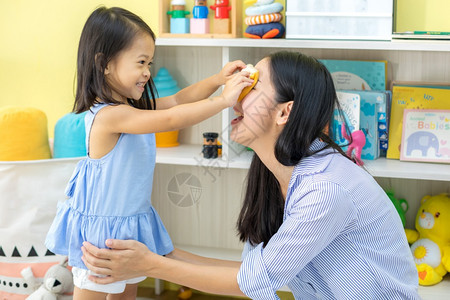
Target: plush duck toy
254,74
431,242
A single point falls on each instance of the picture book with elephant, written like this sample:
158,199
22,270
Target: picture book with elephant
426,135
412,97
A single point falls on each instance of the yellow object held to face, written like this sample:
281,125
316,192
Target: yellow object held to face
254,74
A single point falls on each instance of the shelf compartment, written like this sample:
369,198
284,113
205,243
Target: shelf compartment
191,155
236,22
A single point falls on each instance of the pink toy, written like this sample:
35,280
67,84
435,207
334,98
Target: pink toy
359,140
199,26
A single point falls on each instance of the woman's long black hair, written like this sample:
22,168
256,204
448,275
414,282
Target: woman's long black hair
305,81
107,32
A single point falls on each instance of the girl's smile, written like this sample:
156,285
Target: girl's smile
128,73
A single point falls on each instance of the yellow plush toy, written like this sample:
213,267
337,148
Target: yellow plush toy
431,242
254,74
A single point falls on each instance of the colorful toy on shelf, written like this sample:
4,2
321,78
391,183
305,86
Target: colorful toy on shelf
200,21
221,16
166,86
263,19
431,242
254,74
358,140
200,11
401,205
210,146
178,21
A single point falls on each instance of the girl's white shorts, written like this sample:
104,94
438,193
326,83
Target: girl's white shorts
81,281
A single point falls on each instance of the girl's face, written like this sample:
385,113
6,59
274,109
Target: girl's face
256,121
128,72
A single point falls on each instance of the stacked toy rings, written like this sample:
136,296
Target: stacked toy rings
263,19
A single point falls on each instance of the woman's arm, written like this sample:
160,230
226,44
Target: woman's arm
185,256
129,259
202,89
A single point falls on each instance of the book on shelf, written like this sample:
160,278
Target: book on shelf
412,96
426,135
356,74
350,105
372,121
422,35
383,124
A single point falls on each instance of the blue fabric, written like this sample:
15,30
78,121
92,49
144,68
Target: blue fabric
262,29
110,197
341,238
70,135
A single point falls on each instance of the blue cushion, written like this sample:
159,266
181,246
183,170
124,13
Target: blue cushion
70,136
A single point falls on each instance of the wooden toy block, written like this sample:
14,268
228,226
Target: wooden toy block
199,26
179,25
221,26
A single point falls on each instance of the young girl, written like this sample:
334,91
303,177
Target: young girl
109,192
311,219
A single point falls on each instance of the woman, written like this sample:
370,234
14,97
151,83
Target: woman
311,219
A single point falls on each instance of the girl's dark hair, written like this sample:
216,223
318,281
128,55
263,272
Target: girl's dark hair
107,32
307,82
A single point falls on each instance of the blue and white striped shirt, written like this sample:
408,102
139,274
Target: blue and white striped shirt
341,238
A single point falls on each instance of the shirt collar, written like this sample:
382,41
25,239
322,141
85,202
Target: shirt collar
315,163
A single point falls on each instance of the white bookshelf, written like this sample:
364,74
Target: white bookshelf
390,168
208,228
396,45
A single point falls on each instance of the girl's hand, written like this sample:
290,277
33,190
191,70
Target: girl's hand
126,259
229,69
234,87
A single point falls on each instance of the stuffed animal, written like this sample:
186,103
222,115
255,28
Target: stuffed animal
401,205
58,280
431,242
254,74
358,141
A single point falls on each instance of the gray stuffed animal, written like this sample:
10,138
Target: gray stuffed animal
58,280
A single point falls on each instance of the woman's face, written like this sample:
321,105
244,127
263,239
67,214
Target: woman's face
256,125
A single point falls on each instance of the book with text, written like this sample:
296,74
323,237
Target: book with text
411,97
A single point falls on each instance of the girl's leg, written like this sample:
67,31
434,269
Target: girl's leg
129,293
82,294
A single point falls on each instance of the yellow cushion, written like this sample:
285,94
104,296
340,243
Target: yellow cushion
23,134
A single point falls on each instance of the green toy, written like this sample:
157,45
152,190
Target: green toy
401,205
